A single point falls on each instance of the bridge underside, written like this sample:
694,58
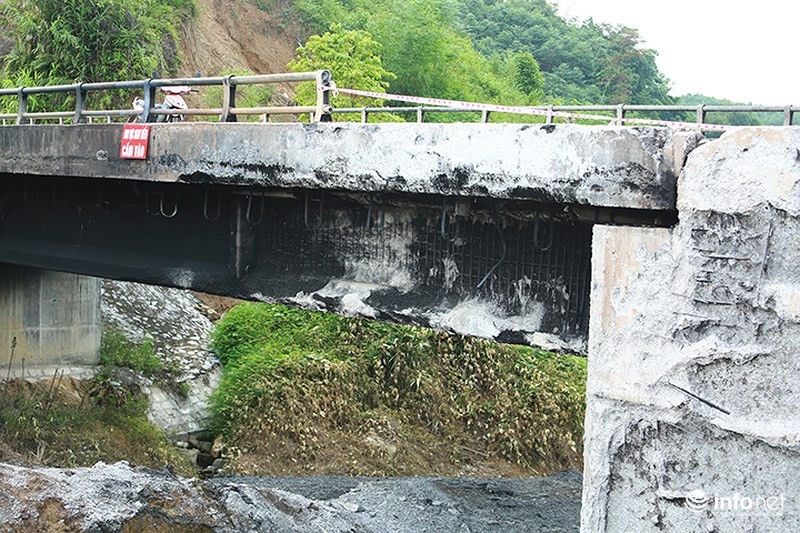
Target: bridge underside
514,272
352,219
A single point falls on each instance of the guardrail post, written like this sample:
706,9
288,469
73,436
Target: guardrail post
484,116
364,115
149,100
549,118
420,115
787,115
323,111
22,104
701,114
80,103
228,100
621,115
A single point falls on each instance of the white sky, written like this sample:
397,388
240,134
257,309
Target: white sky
747,51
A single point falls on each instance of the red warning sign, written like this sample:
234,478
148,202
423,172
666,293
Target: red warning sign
134,141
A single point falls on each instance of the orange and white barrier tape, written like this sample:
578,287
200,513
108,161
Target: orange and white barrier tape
473,106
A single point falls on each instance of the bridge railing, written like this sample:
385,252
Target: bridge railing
616,113
226,113
321,111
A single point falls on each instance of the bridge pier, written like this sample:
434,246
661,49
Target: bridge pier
47,320
692,420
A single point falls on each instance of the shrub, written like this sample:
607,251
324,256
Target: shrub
117,350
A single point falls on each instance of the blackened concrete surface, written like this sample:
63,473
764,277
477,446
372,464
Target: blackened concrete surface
597,166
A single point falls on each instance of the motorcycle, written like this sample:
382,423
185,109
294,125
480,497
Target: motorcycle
172,101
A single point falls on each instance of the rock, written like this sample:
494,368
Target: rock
352,507
380,445
181,335
120,497
202,445
204,459
190,454
218,448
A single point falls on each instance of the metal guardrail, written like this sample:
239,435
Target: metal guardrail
319,112
620,111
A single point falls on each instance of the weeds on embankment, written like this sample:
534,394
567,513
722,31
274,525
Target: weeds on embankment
307,392
65,422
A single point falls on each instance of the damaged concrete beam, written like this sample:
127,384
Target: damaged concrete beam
691,418
632,168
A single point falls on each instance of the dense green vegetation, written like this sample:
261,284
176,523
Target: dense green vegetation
307,390
584,62
516,52
475,50
64,41
64,422
425,52
357,61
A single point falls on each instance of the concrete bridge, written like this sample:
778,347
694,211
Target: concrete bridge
685,248
481,229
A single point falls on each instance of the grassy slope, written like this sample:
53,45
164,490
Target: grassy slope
306,393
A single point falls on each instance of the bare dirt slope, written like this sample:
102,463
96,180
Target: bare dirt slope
236,34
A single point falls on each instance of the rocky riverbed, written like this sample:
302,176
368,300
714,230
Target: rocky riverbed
120,497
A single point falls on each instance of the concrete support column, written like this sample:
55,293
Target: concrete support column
54,317
694,375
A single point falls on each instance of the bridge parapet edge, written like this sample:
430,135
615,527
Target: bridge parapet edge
630,168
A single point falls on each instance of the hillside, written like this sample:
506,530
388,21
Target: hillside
235,34
516,52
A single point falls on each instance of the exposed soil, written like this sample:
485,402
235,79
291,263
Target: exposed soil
235,34
215,305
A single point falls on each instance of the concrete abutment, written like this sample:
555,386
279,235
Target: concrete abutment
692,396
52,319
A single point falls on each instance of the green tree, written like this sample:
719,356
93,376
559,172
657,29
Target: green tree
424,46
64,41
417,46
352,56
528,77
582,62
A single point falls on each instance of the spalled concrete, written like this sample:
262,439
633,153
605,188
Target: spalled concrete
596,166
691,418
47,318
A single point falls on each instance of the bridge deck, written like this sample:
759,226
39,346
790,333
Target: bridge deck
595,166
